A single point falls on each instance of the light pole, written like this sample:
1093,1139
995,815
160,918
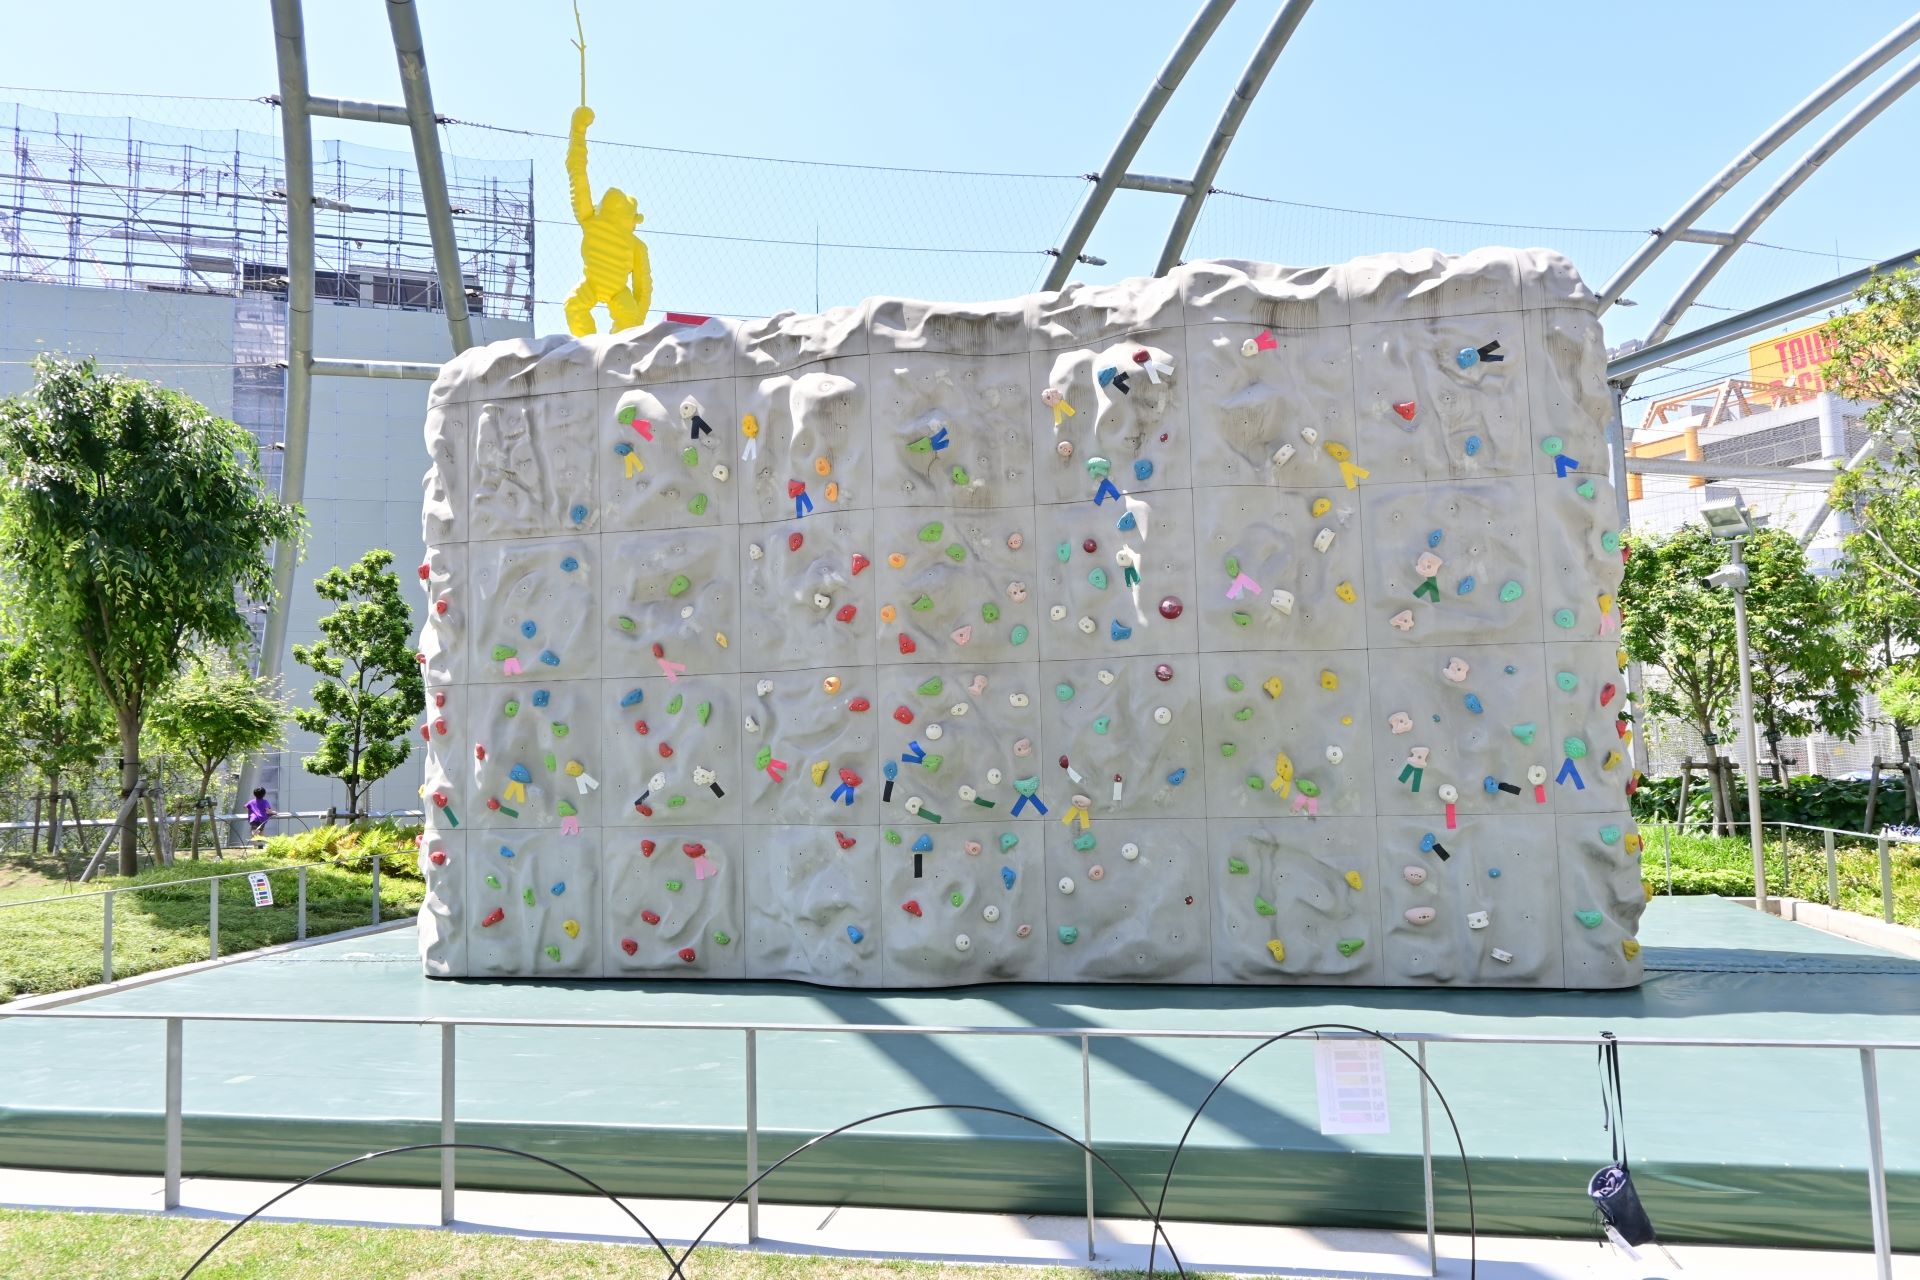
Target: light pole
1729,520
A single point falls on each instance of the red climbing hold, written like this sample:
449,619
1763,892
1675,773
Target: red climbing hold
795,488
686,953
494,917
903,715
845,613
846,841
420,658
640,727
629,946
426,732
424,572
911,907
858,705
440,725
859,562
1405,408
437,858
666,751
906,643
479,752
658,651
651,917
642,808
1606,693
1089,546
493,803
694,850
794,540
647,847
440,798
851,778
440,606
439,698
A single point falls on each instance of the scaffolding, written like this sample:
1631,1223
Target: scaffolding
126,204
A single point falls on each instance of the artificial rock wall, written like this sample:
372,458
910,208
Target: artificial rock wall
1253,624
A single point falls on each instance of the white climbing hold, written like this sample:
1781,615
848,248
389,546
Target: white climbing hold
962,942
1477,920
990,913
1162,716
934,731
1130,851
1066,884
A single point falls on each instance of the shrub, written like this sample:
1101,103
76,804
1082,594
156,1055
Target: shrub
352,845
1818,802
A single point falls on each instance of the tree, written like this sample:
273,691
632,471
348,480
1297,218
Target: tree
132,519
51,721
370,690
214,711
1674,621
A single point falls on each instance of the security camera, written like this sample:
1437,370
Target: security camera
1730,577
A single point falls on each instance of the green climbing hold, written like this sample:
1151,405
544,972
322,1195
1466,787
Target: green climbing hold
1099,468
1026,787
553,952
493,881
1576,748
1524,732
956,552
1254,783
1241,619
676,802
931,532
1236,866
932,763
1063,691
1564,619
960,476
721,938
678,587
1585,489
1069,935
550,762
931,687
1309,788
1610,541
763,758
1243,715
1233,566
699,504
1018,635
501,652
1007,841
690,456
1100,725
892,836
626,623
1552,445
1348,946
1591,919
990,612
512,708
1235,684
1084,842
1510,591
674,704
1264,907
1227,749
1064,552
957,898
704,712
673,886
1567,681
1098,577
1610,834
560,730
922,603
526,896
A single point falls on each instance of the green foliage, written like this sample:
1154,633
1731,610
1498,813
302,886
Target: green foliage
1898,692
129,520
1803,672
214,711
1817,802
50,719
1876,356
369,690
353,845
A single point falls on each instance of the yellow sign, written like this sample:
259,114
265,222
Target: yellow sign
1791,360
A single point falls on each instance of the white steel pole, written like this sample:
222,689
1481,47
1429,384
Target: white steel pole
1746,727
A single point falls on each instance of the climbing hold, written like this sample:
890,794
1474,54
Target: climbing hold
1119,631
1419,915
1405,408
1345,592
1320,507
932,532
1019,634
1236,866
1098,577
1329,681
1510,591
1263,907
1354,880
1564,619
1143,469
1348,946
855,935
1591,919
1567,681
1068,934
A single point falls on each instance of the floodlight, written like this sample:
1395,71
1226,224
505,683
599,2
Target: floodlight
1728,518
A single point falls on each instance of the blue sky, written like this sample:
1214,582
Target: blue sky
1597,117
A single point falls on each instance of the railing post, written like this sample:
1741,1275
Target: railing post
1426,1161
213,918
376,888
447,1127
1786,867
106,939
300,920
1086,1133
170,1197
1833,871
753,1137
1876,1169
1666,848
1886,880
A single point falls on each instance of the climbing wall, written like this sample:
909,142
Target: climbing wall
1253,624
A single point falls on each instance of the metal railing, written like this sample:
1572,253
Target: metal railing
1883,841
751,1031
299,870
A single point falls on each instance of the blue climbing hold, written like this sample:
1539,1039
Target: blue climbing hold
891,769
559,887
549,657
1473,445
854,934
505,852
1427,842
1467,357
579,513
1473,703
1466,586
541,697
631,698
1126,522
1490,784
1119,632
1433,538
923,845
569,565
527,628
519,773
1511,668
1493,872
1007,876
1177,777
1107,375
1143,469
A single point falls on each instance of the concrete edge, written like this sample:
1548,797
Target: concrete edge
1897,938
54,999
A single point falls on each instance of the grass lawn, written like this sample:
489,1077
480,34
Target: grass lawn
55,946
1724,865
77,1246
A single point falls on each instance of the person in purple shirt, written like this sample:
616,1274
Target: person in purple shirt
258,811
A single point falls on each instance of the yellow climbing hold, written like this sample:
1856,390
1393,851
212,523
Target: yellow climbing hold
750,426
1329,681
1320,507
1620,658
896,561
573,769
1345,592
1646,888
1282,774
1338,452
572,927
833,491
1606,603
1354,880
1278,950
819,771
888,613
1273,686
1613,758
1630,947
1347,720
822,467
720,638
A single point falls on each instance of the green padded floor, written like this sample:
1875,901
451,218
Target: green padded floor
1740,1145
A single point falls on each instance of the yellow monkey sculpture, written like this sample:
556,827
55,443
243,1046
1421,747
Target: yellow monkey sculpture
609,250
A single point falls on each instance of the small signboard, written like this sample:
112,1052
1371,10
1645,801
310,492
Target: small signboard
1352,1083
262,888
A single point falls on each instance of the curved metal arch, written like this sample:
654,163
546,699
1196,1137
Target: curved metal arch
1680,225
1270,48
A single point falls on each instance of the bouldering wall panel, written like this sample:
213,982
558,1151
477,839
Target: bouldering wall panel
1251,624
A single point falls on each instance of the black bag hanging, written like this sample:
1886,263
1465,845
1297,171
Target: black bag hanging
1616,1203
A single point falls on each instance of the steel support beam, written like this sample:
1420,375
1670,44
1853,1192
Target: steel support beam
1271,45
414,87
1144,115
1622,370
413,369
354,109
1756,151
1789,182
1154,183
1730,471
290,52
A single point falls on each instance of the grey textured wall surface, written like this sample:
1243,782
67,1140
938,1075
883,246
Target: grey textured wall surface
1252,624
